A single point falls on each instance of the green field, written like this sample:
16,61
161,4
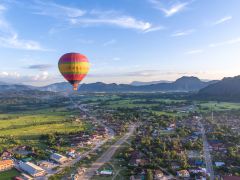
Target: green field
27,127
128,104
35,130
8,175
219,106
37,123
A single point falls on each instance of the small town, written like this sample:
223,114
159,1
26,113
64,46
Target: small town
178,143
119,90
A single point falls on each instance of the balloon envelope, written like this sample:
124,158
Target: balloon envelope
74,67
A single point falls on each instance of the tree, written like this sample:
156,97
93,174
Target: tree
149,174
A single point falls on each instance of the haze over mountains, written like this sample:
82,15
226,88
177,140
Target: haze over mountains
227,89
139,83
183,84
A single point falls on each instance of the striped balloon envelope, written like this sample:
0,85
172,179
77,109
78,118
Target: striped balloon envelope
74,67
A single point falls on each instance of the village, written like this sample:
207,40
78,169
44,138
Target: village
24,159
180,142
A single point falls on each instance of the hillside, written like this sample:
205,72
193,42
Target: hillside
13,87
57,87
226,89
140,83
183,84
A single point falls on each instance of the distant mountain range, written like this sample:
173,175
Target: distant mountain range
3,83
182,84
13,87
139,83
227,89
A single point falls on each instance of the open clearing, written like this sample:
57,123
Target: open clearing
7,175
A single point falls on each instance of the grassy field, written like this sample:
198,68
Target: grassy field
37,123
128,104
219,106
8,175
36,130
26,127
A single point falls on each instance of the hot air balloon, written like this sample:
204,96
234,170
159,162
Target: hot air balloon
74,67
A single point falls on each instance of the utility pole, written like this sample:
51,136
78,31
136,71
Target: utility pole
212,114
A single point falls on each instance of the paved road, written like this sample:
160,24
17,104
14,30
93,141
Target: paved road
110,133
106,156
207,155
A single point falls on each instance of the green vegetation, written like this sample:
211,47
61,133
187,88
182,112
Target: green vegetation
7,175
27,127
168,131
218,106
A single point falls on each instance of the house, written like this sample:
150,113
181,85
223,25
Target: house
183,174
26,177
231,178
175,165
219,164
6,165
32,169
71,153
193,154
81,171
158,175
135,158
27,159
18,178
106,172
6,155
58,158
199,162
216,145
137,177
173,125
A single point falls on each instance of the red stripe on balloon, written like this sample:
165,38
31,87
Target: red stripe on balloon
73,57
72,60
76,77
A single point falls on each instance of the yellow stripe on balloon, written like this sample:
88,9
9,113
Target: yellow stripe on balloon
81,68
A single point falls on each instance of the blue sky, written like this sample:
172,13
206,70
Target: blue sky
125,40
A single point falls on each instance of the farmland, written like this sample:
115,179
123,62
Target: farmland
9,174
28,125
218,106
166,123
37,124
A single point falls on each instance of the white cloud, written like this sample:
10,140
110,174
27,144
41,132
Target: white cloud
229,42
5,74
183,33
15,77
153,29
79,17
170,10
56,10
222,20
12,41
122,21
194,51
9,37
40,77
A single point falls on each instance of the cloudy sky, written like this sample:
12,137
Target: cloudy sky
125,40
